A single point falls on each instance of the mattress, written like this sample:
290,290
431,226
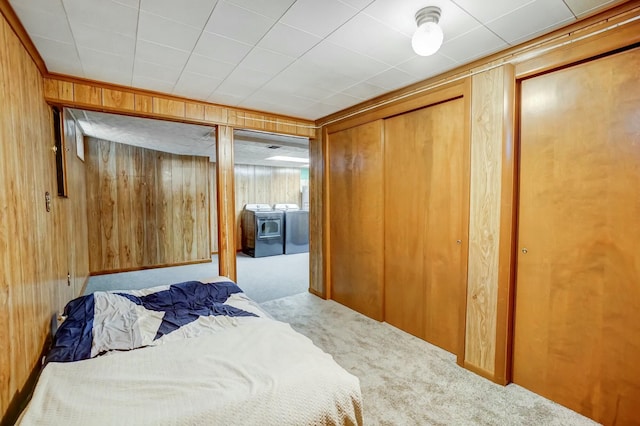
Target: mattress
242,370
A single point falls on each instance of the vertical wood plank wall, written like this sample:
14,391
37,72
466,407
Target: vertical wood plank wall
255,184
145,208
316,217
225,193
487,105
35,245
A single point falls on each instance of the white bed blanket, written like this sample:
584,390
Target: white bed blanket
260,373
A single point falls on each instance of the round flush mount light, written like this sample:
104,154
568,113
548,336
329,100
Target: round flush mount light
428,37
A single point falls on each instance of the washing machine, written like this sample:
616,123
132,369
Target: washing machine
262,230
296,228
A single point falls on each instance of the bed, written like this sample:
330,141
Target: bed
193,353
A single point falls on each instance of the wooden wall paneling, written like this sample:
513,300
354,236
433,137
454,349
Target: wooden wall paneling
213,199
316,208
165,208
168,107
194,111
138,206
94,95
37,247
65,90
215,113
124,214
108,206
7,242
152,204
161,204
202,238
244,192
507,242
87,94
356,203
226,202
143,103
189,201
116,99
484,225
178,204
94,220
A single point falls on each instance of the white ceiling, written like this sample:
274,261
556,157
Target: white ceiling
250,147
303,58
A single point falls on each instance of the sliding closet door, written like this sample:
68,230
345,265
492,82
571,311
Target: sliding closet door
426,215
577,311
356,234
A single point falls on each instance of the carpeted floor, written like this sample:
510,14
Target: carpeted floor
262,278
407,381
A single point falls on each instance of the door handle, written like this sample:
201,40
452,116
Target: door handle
524,250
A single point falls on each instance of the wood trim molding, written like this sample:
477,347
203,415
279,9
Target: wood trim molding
584,44
326,219
226,203
480,372
317,293
462,332
446,93
144,268
15,24
507,241
96,96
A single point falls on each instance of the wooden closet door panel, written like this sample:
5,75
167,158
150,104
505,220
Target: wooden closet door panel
426,200
577,311
356,218
408,165
445,263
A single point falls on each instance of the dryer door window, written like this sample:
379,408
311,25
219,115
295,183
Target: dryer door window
269,228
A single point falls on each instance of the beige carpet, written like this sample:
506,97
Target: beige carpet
407,381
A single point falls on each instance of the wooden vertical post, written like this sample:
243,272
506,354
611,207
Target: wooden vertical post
226,203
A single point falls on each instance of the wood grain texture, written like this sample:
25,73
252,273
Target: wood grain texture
484,224
97,96
86,94
507,242
225,191
213,220
426,211
316,209
37,248
115,99
151,206
356,203
577,308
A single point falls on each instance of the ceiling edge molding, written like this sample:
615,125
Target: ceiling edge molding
15,24
92,95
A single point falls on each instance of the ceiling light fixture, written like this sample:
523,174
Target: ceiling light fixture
285,158
428,37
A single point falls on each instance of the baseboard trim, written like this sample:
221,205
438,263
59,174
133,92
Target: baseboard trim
317,293
143,268
483,373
